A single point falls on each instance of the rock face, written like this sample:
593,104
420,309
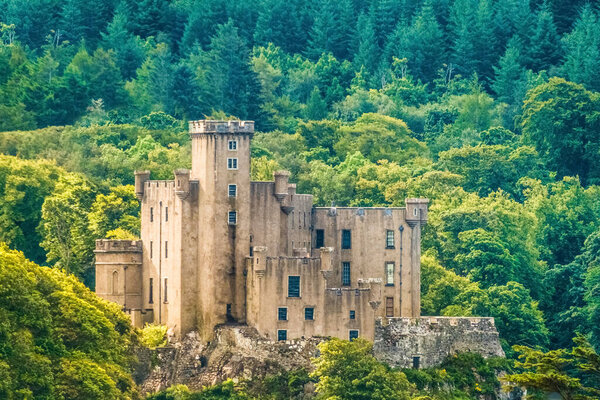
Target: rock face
425,342
237,352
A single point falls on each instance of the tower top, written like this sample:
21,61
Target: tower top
206,126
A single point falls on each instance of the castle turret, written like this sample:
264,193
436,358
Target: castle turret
182,183
140,181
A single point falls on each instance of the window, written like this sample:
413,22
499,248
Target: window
281,334
389,306
232,218
151,249
345,273
282,314
416,362
320,239
232,145
232,190
352,314
166,214
346,239
389,273
115,282
151,214
165,294
166,249
232,163
228,314
415,212
352,334
309,313
293,286
151,292
389,239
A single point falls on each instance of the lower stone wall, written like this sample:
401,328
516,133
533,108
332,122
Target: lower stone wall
399,341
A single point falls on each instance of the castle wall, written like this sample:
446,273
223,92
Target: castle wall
268,292
369,252
431,339
170,263
118,275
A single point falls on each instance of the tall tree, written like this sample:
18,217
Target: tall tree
129,49
544,49
510,82
366,56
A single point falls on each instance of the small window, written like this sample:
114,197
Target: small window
352,334
232,218
151,292
232,190
346,239
165,297
389,306
320,239
389,239
309,313
232,163
232,145
115,282
352,314
293,286
251,251
389,273
415,212
166,249
416,362
345,273
166,214
282,335
151,249
282,313
228,314
151,214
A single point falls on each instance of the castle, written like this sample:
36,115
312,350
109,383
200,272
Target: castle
216,247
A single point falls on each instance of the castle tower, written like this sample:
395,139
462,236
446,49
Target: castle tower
416,218
221,165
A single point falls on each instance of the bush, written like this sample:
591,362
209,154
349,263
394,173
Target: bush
153,336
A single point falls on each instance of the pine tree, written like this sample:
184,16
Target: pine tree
510,80
582,52
281,23
386,14
367,52
84,20
129,49
428,44
544,49
316,107
332,30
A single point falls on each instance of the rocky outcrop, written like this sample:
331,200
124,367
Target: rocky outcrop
238,352
427,341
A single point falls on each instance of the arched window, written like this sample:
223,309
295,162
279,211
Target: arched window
115,282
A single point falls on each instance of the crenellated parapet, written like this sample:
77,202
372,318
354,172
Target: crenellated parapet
118,246
214,126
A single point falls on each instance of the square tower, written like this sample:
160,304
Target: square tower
221,165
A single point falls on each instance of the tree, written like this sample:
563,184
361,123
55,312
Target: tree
557,371
129,49
367,51
68,242
118,209
316,108
545,50
582,50
510,77
348,370
60,339
562,120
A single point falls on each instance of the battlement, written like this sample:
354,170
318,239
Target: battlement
118,245
211,126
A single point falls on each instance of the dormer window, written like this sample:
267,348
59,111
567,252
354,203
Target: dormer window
232,145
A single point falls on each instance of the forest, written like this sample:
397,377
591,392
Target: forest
489,108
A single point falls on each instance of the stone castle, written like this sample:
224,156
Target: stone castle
218,248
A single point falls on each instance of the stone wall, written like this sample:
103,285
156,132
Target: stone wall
399,340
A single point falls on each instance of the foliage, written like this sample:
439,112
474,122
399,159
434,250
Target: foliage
59,339
347,370
153,336
562,371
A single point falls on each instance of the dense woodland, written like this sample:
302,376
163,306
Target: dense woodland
490,108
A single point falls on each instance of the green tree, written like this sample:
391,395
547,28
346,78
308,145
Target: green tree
367,51
510,77
60,339
118,209
129,49
68,242
561,120
348,370
545,49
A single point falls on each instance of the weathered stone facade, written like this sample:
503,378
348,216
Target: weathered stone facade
427,341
